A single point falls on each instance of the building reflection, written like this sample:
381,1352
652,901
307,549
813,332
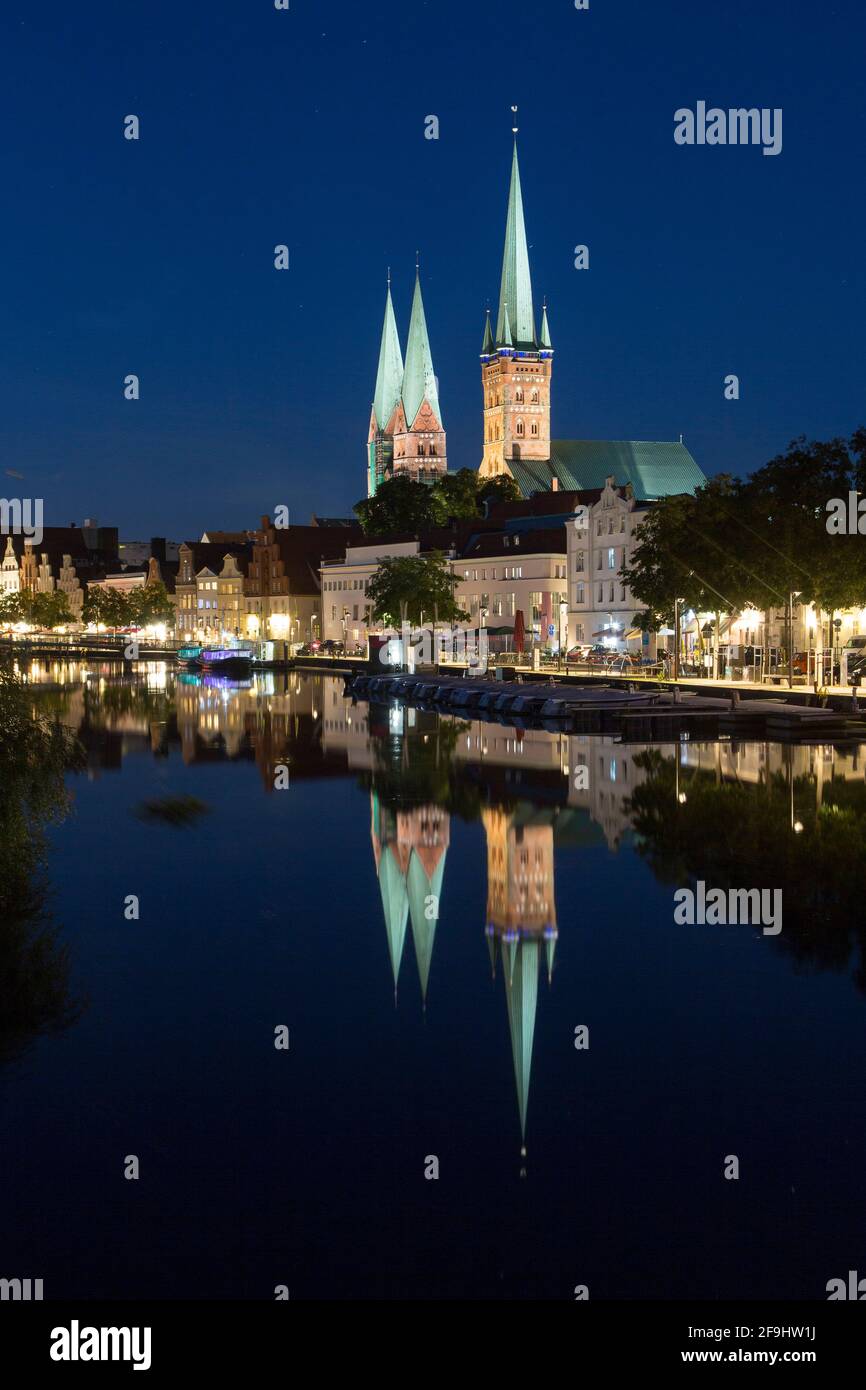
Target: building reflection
535,792
409,849
521,926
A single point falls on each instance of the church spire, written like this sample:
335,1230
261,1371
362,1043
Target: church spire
545,330
516,286
487,347
389,377
419,380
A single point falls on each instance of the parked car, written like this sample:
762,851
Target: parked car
330,647
579,653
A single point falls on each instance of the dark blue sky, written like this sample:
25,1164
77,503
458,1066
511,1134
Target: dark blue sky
307,127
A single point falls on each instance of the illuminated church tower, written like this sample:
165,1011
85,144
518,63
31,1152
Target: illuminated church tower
406,436
516,361
389,383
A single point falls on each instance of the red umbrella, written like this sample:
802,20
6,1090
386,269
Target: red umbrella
519,630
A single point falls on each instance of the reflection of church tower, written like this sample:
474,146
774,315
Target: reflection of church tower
521,920
410,848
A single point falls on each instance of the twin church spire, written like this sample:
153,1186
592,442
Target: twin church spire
406,435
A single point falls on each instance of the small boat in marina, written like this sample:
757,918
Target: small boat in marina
188,656
227,659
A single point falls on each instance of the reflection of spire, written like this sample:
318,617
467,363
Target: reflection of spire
521,914
392,885
410,848
521,992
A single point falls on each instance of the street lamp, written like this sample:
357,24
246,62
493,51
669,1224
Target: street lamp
794,593
677,602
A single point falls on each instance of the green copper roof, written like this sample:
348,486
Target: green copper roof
419,380
420,887
521,991
389,377
516,287
654,469
545,330
503,337
488,344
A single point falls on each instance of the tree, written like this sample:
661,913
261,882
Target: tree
455,495
414,589
110,607
400,507
12,609
40,610
151,605
50,610
404,507
502,488
35,754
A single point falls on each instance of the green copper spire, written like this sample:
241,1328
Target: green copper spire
389,377
503,336
419,381
516,287
488,346
545,330
521,990
420,888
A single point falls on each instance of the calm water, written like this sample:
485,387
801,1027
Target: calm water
313,907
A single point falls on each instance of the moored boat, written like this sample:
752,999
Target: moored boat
226,658
188,656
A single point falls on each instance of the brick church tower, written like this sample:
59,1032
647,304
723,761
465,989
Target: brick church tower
406,436
516,362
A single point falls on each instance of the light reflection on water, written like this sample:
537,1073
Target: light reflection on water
556,830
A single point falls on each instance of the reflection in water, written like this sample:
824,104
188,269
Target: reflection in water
750,815
35,753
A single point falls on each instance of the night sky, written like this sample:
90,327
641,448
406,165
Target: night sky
306,127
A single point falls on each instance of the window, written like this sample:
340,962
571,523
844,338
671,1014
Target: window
622,593
579,594
518,395
497,606
598,527
601,593
509,605
578,637
610,591
598,561
533,428
611,558
578,562
535,396
535,604
520,429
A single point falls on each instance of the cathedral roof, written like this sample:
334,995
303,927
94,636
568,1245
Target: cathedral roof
654,468
389,377
516,286
419,380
